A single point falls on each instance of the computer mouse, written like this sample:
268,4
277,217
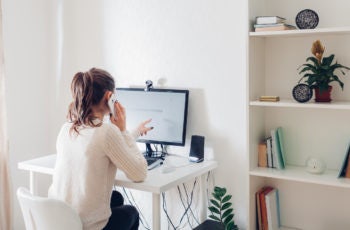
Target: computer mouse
167,169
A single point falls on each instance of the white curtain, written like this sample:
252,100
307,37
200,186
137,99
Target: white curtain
5,188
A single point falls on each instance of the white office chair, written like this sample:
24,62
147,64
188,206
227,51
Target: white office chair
42,213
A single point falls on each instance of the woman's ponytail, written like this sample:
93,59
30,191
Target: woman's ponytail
87,90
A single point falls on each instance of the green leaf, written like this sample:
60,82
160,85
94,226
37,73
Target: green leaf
229,226
314,60
307,69
228,219
217,196
327,61
223,191
226,205
214,202
336,78
214,217
338,66
220,191
226,198
227,212
217,189
214,210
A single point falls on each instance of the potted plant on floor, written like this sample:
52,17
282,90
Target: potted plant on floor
221,209
319,72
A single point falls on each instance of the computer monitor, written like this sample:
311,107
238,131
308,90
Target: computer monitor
166,107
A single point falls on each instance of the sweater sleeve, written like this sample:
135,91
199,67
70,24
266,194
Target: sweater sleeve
122,150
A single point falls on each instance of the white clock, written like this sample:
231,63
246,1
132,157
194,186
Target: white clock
315,165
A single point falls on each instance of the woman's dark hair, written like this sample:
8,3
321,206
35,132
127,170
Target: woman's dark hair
87,90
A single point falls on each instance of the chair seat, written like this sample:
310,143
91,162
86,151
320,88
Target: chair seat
210,225
42,213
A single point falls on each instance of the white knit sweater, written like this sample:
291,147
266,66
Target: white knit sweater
86,166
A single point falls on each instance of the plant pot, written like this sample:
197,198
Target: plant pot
324,96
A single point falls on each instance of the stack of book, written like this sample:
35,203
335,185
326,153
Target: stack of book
268,210
271,152
269,98
271,23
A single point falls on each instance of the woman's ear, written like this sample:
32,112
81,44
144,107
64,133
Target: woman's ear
107,95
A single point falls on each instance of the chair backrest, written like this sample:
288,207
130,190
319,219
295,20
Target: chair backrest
41,213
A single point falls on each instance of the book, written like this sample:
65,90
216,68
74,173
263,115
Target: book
269,19
263,210
347,171
262,154
276,151
269,98
258,208
268,25
345,165
269,152
273,210
281,145
276,27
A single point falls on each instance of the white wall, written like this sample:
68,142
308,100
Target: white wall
197,44
29,78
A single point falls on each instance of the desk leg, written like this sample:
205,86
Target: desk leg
155,211
32,183
203,197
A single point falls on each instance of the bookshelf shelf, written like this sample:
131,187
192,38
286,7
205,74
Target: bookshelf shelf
301,33
345,105
298,174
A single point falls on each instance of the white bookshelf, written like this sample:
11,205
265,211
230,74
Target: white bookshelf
319,130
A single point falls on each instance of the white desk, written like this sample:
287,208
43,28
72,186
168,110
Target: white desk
156,182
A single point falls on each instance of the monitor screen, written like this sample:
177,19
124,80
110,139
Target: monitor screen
166,107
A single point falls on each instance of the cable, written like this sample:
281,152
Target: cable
189,213
142,218
166,212
194,217
183,204
189,205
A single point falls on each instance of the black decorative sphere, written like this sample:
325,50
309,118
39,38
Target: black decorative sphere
306,19
302,93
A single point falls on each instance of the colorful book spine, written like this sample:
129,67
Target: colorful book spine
276,151
269,152
273,210
268,208
262,154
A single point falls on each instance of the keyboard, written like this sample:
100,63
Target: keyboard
153,162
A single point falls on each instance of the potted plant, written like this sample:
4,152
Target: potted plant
221,210
319,72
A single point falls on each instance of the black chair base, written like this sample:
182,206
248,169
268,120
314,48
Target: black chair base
210,225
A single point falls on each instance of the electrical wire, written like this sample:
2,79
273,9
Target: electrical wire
189,205
186,203
166,212
142,218
194,217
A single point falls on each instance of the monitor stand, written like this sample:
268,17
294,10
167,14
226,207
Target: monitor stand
149,151
152,153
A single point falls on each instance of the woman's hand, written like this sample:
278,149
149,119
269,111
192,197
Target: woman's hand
120,118
142,129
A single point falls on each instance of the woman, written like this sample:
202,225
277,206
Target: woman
89,152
